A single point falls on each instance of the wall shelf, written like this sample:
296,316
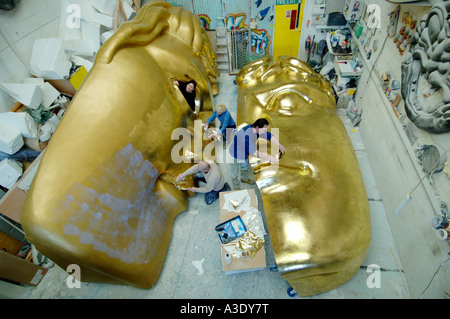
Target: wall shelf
370,66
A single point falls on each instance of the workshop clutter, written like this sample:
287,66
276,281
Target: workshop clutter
29,126
241,231
58,67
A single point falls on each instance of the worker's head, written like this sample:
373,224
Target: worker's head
190,86
203,167
221,108
261,125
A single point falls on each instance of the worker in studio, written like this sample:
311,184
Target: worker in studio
209,173
244,144
226,122
188,91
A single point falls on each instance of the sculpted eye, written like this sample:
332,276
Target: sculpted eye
310,187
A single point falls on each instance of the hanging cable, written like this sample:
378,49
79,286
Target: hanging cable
373,66
408,196
432,278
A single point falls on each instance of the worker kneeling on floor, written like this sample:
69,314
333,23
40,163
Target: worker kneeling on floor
209,173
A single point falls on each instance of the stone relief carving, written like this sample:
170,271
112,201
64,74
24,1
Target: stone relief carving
429,57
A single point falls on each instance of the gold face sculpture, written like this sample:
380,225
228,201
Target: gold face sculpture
315,201
103,196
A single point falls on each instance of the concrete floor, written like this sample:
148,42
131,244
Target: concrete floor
192,268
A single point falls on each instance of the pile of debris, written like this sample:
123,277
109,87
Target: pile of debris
58,67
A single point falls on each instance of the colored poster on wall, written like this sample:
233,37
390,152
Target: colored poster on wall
237,15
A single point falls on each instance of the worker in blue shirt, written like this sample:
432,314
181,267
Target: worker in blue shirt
244,144
226,122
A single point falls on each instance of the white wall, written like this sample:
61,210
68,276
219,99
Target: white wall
398,171
28,22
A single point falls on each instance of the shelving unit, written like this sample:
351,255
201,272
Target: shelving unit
371,67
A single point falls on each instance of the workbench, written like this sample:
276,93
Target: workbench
240,264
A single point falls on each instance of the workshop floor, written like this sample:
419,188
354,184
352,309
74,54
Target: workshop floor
192,268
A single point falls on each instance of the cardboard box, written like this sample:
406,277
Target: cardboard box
12,202
20,270
10,244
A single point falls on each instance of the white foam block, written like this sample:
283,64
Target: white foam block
106,35
87,10
91,33
80,61
90,14
10,139
10,171
21,121
49,94
104,20
70,20
104,6
79,47
28,94
128,9
49,60
36,81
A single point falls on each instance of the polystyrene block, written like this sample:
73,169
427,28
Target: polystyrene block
10,171
70,20
128,9
21,121
27,94
104,20
90,14
80,61
49,60
87,10
49,94
10,139
104,6
36,81
106,35
79,47
91,33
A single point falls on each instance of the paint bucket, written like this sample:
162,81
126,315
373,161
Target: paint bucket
228,258
440,222
443,234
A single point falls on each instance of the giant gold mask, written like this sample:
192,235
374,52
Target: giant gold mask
102,197
315,200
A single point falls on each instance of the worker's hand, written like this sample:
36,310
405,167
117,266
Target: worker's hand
180,177
191,189
205,125
282,149
176,83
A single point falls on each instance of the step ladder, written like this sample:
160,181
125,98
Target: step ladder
222,46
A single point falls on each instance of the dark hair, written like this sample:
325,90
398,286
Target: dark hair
259,123
193,82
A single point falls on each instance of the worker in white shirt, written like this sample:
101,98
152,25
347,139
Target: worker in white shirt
208,172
